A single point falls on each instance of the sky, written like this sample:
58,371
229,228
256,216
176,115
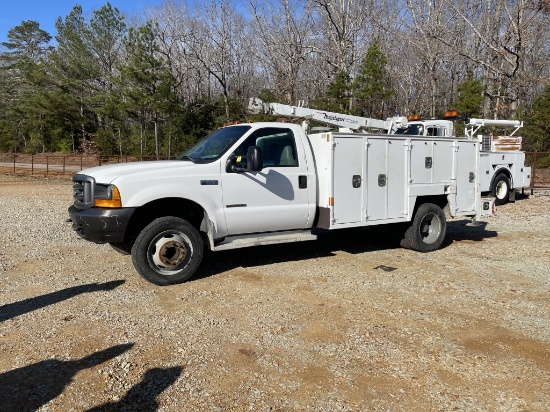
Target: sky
46,12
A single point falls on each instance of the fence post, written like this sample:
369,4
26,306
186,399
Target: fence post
32,165
534,171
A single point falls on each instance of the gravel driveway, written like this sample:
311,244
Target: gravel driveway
346,323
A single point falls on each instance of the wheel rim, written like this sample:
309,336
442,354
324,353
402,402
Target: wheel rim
430,228
169,252
502,188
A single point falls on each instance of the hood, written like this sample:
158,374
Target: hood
108,173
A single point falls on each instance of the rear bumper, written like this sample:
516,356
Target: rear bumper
101,225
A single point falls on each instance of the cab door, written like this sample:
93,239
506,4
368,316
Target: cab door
274,199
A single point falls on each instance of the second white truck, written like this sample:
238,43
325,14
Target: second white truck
501,163
264,183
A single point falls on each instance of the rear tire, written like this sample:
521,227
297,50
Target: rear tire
428,229
501,189
168,250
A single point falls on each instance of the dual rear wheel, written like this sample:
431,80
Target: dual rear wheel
427,230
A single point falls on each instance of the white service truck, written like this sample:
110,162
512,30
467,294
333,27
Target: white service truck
502,162
265,183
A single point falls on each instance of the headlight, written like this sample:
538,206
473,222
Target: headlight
107,196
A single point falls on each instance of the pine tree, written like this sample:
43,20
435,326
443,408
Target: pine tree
75,70
107,28
339,93
470,97
148,81
26,42
537,125
23,88
372,86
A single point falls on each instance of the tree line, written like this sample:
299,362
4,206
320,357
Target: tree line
153,85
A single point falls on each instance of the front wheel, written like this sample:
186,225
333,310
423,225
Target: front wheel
428,229
167,251
501,189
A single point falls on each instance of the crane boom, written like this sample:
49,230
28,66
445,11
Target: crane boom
473,125
343,121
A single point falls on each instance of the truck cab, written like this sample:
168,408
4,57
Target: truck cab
433,127
280,196
241,179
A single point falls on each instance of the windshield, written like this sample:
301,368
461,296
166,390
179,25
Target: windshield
216,144
412,129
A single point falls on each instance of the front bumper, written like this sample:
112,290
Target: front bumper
101,225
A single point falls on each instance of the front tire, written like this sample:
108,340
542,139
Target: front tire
501,189
428,229
168,250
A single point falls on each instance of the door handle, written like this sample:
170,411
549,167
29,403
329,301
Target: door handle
302,182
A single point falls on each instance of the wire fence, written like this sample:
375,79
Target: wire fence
67,165
61,165
540,169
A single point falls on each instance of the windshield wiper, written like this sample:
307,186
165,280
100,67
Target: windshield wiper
187,158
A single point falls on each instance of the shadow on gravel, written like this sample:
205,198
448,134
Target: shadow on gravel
458,231
353,241
349,240
29,387
143,396
12,310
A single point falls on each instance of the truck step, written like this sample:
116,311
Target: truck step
256,239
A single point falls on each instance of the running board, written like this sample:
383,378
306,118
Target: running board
258,239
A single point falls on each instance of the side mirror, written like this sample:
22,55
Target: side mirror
231,165
254,159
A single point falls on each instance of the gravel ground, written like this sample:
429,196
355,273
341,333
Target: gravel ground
347,323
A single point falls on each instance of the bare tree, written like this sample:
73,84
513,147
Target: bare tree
343,25
504,33
284,29
433,64
213,38
173,20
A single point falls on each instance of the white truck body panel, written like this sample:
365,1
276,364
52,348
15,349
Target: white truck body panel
270,200
375,179
387,159
491,163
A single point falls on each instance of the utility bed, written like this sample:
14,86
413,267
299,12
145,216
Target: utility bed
375,179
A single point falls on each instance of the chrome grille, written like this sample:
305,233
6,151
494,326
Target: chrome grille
83,191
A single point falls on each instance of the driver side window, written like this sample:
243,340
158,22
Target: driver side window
277,144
